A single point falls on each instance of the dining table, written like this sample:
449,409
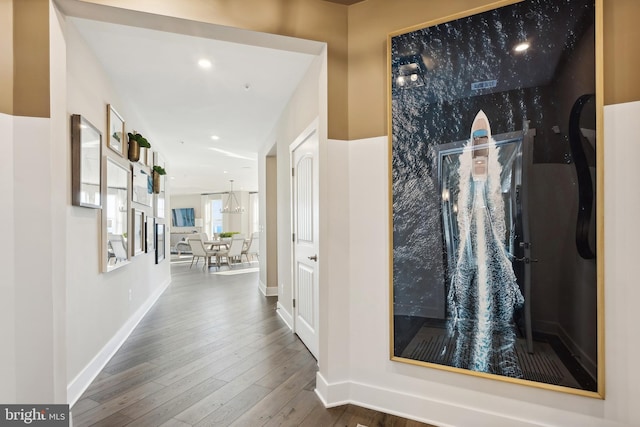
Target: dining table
217,244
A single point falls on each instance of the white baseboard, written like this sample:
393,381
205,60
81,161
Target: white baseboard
81,382
268,291
332,395
284,315
405,405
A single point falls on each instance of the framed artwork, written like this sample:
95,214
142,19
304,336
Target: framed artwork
86,163
142,189
496,194
138,234
116,236
150,234
116,137
160,243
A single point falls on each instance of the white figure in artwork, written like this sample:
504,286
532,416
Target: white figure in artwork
483,293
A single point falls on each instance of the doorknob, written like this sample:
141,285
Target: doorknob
313,258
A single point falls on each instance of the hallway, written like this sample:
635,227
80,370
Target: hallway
213,352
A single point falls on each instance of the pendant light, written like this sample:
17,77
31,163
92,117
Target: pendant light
232,206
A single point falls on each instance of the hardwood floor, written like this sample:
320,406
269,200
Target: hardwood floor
213,352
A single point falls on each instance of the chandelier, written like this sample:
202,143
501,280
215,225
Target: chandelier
232,206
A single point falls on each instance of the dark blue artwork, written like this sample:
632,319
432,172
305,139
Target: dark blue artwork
486,273
183,217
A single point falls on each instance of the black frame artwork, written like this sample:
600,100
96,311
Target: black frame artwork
160,243
496,194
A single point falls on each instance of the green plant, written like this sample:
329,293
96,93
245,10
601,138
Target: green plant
228,234
159,170
142,141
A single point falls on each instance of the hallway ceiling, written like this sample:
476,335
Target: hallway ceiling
239,99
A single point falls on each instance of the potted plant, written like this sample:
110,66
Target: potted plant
136,142
157,171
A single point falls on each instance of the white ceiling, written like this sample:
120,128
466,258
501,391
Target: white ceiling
239,98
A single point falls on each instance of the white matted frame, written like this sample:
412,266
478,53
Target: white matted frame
116,135
137,232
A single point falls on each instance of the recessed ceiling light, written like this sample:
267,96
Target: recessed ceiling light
522,47
215,137
225,171
204,63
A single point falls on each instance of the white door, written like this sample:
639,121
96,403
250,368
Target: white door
304,158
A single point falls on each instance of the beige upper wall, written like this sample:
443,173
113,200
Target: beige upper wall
31,79
6,56
621,54
356,63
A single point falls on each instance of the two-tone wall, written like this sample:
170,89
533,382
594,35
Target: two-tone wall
354,361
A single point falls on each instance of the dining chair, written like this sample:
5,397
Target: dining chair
234,251
252,247
199,251
117,246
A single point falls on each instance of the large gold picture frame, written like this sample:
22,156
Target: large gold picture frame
496,189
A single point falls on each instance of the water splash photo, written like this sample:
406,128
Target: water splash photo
491,160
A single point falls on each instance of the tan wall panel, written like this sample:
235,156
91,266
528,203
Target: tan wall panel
31,58
621,53
6,56
306,19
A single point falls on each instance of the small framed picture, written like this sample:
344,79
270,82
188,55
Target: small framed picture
142,190
160,245
116,137
138,240
150,234
86,161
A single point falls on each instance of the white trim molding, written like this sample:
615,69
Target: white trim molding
268,291
83,380
284,315
432,410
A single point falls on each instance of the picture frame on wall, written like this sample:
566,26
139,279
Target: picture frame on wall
496,193
138,232
160,243
116,135
150,234
142,189
86,163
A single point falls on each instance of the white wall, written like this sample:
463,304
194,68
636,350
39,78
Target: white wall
446,398
306,104
32,223
7,260
101,307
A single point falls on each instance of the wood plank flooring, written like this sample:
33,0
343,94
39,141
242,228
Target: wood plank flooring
213,352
